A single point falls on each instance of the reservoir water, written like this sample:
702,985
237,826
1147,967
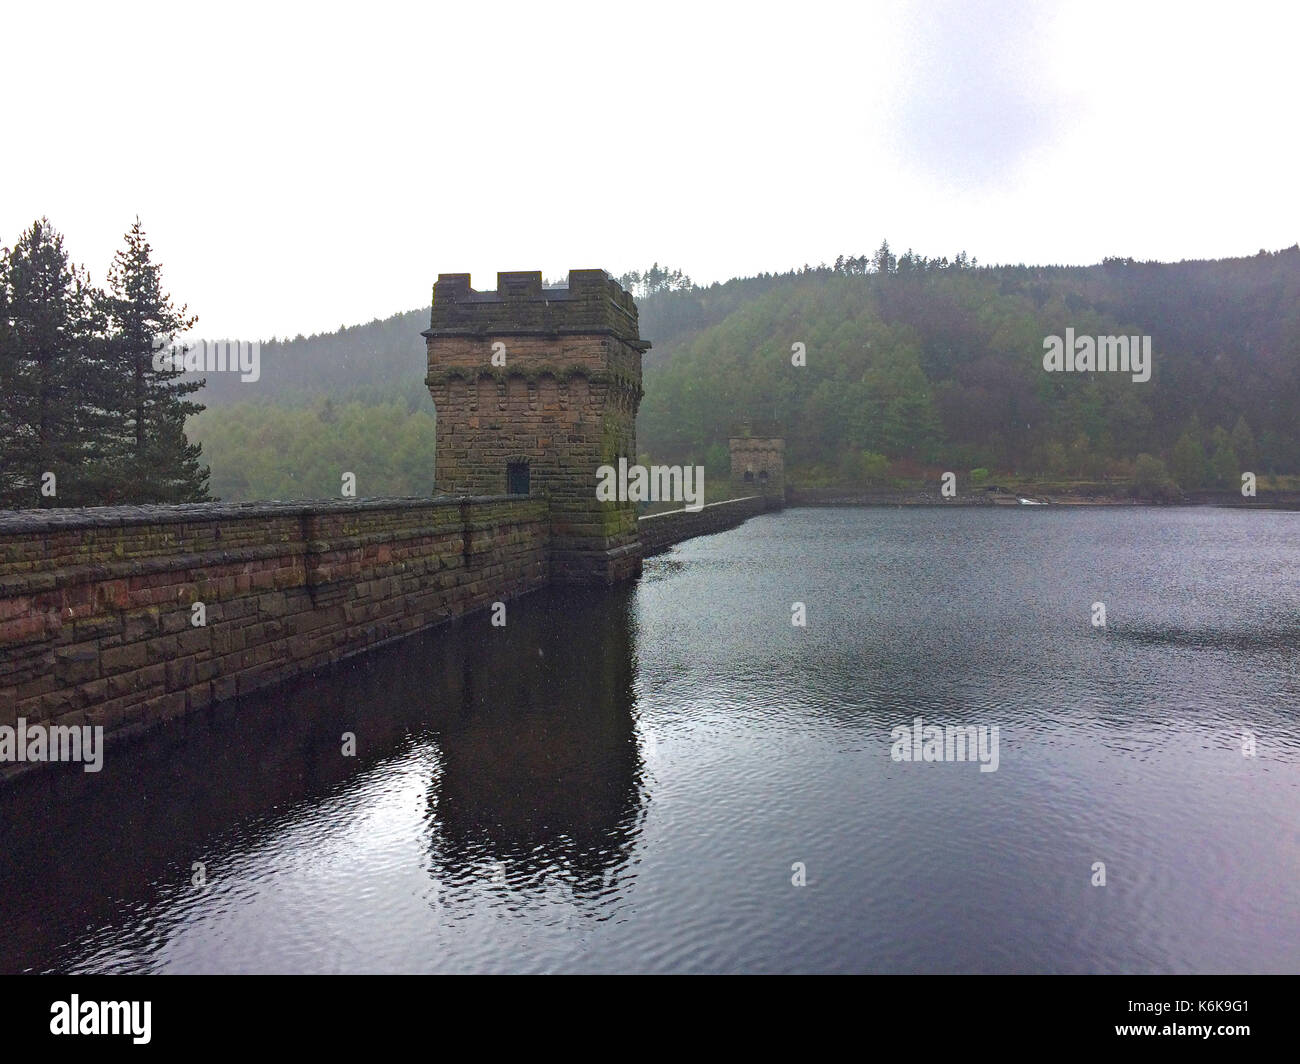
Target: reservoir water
636,780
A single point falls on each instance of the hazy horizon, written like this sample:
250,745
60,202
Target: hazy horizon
298,174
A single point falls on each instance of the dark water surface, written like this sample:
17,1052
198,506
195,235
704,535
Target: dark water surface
624,780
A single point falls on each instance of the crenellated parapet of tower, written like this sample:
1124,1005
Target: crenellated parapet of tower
591,303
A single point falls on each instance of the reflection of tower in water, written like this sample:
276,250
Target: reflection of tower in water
540,766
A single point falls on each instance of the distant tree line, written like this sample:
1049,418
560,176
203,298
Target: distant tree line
654,280
85,417
914,363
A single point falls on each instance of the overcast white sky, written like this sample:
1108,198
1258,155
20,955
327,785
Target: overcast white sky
301,167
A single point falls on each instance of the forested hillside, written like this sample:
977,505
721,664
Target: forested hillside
353,401
929,363
374,363
911,364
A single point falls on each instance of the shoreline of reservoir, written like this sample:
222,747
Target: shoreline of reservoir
1265,500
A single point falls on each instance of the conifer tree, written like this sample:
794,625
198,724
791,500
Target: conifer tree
53,397
163,465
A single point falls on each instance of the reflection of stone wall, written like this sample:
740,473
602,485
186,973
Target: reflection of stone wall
96,605
208,786
538,749
523,749
563,404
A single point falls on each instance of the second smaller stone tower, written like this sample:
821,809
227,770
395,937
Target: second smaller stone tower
758,461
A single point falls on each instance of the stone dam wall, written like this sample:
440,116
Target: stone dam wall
661,531
99,608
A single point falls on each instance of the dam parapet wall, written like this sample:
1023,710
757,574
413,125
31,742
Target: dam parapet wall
128,616
661,531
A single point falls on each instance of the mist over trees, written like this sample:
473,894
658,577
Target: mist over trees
913,364
939,362
267,451
348,401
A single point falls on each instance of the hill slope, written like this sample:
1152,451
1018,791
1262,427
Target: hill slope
916,364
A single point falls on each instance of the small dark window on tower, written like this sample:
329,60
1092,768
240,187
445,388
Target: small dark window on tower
517,478
749,475
762,477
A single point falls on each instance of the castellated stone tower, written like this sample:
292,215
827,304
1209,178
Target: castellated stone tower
758,460
534,389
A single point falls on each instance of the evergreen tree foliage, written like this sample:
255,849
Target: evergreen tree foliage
162,466
52,397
